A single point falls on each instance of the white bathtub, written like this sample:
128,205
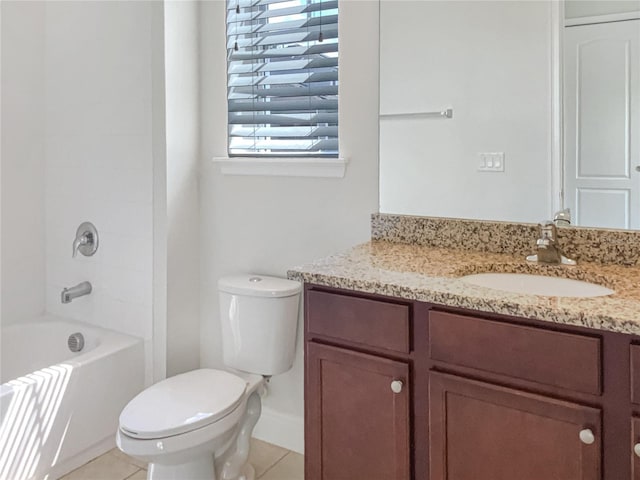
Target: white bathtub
59,409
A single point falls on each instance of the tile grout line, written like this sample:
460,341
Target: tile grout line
128,461
135,464
138,469
275,463
124,457
273,460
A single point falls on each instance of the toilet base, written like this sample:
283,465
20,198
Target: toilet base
248,472
200,468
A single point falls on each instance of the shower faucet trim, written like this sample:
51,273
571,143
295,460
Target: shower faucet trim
86,241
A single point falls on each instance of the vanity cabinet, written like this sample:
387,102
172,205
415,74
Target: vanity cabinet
482,396
357,388
487,431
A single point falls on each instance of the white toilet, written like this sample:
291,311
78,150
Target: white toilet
197,425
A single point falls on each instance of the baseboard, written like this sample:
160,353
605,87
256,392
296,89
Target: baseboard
281,429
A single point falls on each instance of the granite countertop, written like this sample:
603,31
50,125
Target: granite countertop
431,274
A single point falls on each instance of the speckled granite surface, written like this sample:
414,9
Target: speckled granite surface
431,274
595,245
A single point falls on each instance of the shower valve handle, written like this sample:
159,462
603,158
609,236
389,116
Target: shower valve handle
86,241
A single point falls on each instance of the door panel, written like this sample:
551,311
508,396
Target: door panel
356,427
635,440
604,207
602,109
480,431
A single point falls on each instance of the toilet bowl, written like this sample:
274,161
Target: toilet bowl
198,425
181,424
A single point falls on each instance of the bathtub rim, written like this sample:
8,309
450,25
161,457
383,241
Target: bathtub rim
109,341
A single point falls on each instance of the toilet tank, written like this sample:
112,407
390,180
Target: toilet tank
259,316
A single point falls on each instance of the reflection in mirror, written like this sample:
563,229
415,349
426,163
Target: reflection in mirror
492,62
601,92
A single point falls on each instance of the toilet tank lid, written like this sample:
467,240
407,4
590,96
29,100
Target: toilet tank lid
259,285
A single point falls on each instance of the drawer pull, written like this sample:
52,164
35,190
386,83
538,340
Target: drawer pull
396,386
636,449
587,437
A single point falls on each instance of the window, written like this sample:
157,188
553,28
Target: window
282,77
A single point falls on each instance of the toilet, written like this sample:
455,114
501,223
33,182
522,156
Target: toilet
197,425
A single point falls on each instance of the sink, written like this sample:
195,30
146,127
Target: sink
537,285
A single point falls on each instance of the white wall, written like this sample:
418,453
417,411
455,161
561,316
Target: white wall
182,168
267,224
590,8
95,98
490,61
98,114
22,154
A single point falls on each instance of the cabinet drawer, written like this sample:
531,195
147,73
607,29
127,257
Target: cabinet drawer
635,373
374,323
542,356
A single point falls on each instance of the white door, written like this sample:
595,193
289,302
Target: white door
602,124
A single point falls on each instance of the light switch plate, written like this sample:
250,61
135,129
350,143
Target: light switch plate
491,162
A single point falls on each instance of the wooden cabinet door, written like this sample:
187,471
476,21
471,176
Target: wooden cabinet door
480,431
356,427
635,440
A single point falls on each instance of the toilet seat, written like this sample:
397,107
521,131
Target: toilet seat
182,403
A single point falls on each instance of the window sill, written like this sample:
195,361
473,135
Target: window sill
283,167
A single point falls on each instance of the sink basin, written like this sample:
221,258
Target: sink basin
537,285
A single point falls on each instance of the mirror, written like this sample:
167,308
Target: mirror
498,66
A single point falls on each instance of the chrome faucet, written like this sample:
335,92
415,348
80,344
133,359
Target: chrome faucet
548,248
79,290
86,241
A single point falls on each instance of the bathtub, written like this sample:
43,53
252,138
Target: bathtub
59,409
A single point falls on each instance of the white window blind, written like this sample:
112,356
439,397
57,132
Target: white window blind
282,77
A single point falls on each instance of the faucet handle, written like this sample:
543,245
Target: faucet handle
79,242
86,241
548,230
543,242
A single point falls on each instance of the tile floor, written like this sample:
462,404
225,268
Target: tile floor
270,462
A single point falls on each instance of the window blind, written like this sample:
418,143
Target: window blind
282,77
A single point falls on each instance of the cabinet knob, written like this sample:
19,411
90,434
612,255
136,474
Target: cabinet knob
587,437
396,386
636,449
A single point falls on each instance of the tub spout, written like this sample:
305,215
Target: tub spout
79,290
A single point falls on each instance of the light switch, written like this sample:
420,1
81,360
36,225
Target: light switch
491,162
